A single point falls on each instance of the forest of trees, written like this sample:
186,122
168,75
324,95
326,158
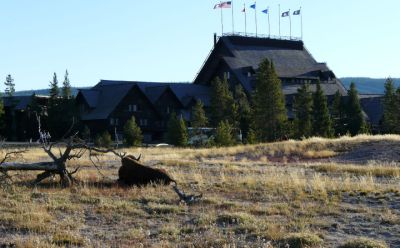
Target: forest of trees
259,117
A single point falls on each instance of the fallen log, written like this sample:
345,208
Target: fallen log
40,166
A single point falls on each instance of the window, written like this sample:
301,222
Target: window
112,121
168,110
133,108
116,121
228,75
249,74
143,122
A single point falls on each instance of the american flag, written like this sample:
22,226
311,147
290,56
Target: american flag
223,5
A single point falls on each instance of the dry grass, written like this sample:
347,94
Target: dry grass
372,170
249,200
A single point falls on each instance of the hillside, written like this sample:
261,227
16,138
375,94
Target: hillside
44,92
367,85
364,85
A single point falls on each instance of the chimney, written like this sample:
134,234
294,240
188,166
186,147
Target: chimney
215,39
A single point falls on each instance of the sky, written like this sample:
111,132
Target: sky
168,41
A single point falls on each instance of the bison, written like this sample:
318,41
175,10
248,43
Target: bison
134,173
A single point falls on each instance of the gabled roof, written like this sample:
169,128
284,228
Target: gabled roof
108,97
291,59
91,97
373,107
104,97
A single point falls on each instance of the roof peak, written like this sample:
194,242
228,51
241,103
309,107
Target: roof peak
239,39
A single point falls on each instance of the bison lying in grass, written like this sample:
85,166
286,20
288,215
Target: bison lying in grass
134,173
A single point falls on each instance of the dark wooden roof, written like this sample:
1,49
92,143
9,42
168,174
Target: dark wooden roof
104,97
20,102
291,59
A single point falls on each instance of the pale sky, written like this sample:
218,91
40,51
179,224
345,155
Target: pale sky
169,40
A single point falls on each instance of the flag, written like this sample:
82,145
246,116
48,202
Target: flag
223,5
265,11
285,14
244,9
297,12
253,6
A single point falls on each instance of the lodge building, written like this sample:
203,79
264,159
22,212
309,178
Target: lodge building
109,104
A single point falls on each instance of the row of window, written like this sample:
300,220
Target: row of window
228,74
135,108
115,122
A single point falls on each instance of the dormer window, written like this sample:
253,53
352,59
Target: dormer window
143,122
133,108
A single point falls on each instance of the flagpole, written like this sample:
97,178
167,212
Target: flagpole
222,19
269,25
279,16
245,20
233,21
301,23
290,25
255,15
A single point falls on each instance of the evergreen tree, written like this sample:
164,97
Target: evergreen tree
86,133
66,89
302,109
103,140
54,90
251,137
223,106
199,118
269,104
224,134
322,125
10,86
244,110
391,108
338,115
355,118
132,133
2,120
177,132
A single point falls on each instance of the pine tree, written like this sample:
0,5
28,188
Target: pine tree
199,118
355,118
338,116
251,137
224,134
177,132
391,109
223,106
54,90
132,133
103,140
302,109
2,121
66,89
10,86
322,124
244,110
269,104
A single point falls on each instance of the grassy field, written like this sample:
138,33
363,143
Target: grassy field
312,193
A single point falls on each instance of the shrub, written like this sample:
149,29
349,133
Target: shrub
224,134
363,243
177,132
132,133
103,140
302,240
